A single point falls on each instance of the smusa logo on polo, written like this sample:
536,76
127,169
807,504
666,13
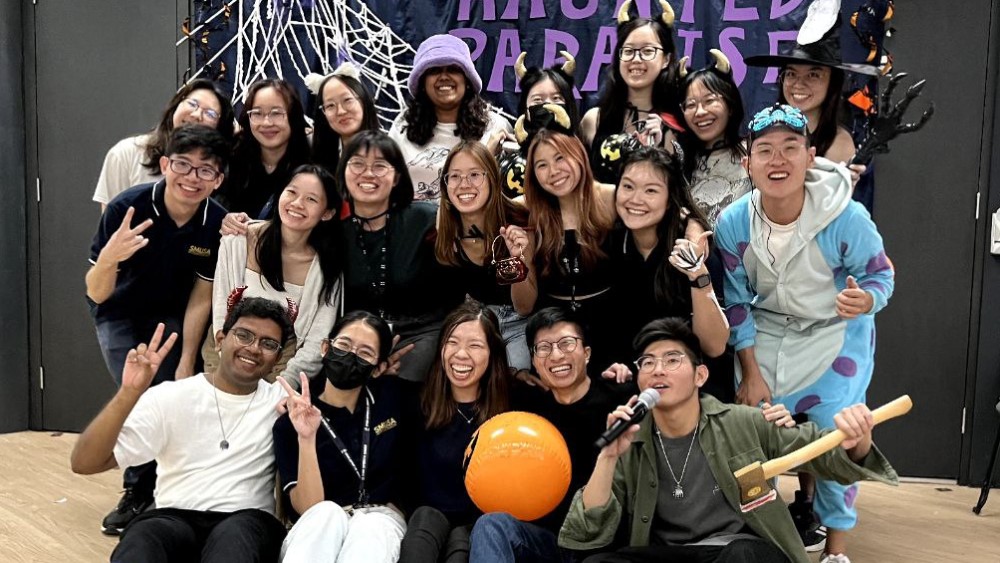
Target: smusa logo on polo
385,426
199,251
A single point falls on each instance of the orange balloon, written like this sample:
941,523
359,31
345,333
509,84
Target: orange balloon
517,462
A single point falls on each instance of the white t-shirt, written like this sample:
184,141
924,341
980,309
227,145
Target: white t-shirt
177,424
425,161
778,237
123,169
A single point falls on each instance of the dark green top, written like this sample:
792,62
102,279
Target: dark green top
732,437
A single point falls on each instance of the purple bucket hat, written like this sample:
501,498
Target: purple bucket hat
443,50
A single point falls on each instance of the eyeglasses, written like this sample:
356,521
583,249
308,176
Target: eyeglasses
565,344
378,168
646,53
812,77
208,114
690,105
670,362
331,108
246,338
274,116
184,168
344,345
766,153
455,179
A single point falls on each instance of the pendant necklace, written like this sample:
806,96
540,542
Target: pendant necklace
678,489
224,444
467,419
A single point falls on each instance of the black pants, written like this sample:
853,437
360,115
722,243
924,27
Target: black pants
430,538
166,535
739,551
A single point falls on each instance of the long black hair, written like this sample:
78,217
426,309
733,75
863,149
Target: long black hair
158,137
247,152
324,239
669,287
612,105
829,116
421,118
723,85
326,141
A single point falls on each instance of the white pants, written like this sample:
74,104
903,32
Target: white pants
327,534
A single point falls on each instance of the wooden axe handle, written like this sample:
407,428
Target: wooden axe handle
811,451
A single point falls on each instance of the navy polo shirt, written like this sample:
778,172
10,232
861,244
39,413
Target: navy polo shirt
391,454
156,281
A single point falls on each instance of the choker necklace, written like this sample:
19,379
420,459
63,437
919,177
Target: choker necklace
678,489
367,223
467,419
224,444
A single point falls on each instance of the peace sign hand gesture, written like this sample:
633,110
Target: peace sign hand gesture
125,241
304,415
143,361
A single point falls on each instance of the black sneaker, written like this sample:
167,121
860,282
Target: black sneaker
813,535
130,506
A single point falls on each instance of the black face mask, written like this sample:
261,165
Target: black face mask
345,370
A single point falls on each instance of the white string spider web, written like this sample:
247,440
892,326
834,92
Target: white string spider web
288,39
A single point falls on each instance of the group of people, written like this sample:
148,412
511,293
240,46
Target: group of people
390,292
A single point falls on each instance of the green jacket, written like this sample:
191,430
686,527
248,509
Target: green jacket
732,437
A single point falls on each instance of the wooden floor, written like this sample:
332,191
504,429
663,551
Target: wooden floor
47,514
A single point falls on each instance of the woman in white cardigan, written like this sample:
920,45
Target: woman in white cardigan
294,259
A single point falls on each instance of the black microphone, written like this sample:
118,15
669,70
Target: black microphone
647,400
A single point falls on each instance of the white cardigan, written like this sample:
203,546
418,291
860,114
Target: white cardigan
311,326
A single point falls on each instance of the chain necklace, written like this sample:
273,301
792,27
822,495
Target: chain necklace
678,489
378,275
467,419
224,444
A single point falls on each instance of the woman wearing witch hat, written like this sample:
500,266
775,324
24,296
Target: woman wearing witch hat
812,78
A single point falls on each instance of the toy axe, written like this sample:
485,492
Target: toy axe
753,479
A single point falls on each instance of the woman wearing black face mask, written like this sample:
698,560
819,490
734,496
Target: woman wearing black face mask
339,448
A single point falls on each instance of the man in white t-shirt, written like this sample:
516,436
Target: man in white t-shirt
211,437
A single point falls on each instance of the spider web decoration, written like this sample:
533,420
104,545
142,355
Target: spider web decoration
238,42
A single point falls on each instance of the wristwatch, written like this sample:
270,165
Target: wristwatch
701,281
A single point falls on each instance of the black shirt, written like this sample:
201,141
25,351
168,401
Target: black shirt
633,293
580,423
442,477
480,281
393,421
250,188
415,284
156,281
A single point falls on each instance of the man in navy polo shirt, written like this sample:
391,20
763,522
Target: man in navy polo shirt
153,260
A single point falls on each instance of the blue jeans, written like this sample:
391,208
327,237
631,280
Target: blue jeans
116,338
500,537
512,326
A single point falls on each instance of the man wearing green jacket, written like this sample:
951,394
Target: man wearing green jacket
675,488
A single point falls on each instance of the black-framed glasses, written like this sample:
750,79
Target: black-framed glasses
378,168
275,115
670,362
348,104
565,344
184,168
208,114
455,179
345,346
246,338
646,53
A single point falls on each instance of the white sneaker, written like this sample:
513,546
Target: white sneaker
834,558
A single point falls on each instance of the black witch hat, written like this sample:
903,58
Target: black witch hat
818,43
